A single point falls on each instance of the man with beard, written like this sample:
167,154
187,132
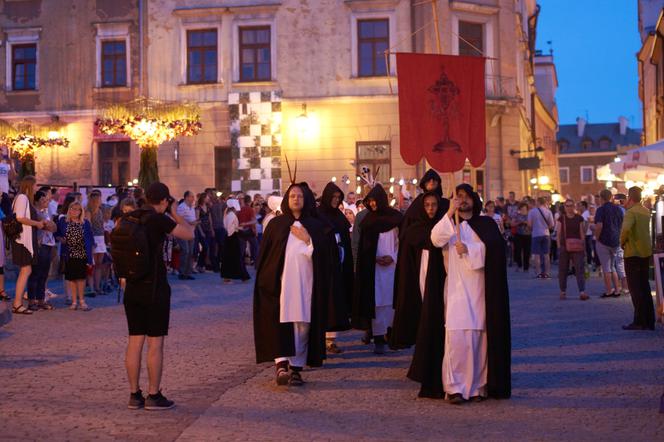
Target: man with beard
419,271
290,296
341,261
430,182
473,343
376,264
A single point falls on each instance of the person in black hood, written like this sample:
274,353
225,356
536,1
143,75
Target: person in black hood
430,182
341,260
420,271
376,264
464,349
292,286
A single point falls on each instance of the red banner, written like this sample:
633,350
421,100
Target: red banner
441,110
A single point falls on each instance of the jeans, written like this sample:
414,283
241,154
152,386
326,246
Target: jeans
591,254
186,254
637,269
37,279
564,260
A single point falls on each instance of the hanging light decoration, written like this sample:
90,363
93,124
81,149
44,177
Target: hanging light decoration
26,138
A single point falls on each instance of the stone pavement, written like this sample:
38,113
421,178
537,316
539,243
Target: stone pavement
576,376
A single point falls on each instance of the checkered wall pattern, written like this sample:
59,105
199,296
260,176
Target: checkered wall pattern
255,127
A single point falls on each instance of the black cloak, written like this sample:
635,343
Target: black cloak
407,295
342,274
426,367
274,339
374,223
416,207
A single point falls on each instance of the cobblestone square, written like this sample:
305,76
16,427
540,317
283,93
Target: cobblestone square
576,376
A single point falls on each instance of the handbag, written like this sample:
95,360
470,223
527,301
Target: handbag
572,245
11,227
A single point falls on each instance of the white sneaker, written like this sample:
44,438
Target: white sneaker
50,294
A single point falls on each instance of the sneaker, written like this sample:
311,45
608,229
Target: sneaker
50,294
136,400
156,402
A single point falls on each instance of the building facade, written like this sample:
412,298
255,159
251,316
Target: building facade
651,69
584,147
299,79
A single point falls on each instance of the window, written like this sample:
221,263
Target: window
563,172
374,155
587,144
255,53
605,144
114,163
587,174
471,39
373,39
223,166
563,145
113,63
24,67
202,56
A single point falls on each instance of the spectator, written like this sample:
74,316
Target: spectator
247,220
187,211
608,223
25,247
635,239
232,262
571,243
522,238
75,234
148,317
541,222
42,262
95,215
204,233
217,216
259,212
3,295
490,211
62,213
6,173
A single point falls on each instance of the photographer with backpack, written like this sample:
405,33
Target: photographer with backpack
137,242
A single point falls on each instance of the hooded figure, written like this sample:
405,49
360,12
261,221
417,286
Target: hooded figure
290,296
420,273
467,332
274,203
341,259
376,263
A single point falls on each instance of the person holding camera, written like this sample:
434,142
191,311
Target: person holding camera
147,301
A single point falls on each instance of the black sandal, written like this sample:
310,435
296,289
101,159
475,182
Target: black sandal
607,295
4,296
21,310
282,376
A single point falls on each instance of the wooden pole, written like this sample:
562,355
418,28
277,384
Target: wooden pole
434,7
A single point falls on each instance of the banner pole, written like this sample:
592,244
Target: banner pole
434,7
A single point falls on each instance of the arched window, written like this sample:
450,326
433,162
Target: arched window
563,145
587,144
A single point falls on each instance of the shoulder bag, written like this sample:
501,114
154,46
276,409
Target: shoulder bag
572,245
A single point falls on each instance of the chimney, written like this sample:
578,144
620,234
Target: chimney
580,126
623,125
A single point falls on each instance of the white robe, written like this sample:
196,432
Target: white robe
297,280
388,245
465,358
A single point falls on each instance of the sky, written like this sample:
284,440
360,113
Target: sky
594,47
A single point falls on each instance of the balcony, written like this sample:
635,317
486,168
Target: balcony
499,88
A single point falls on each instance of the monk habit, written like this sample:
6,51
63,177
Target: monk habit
372,305
470,341
415,209
341,260
420,271
290,295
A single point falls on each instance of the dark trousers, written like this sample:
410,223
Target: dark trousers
186,253
219,238
576,258
39,274
591,254
637,269
253,246
522,251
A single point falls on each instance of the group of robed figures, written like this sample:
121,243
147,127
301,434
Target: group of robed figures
434,277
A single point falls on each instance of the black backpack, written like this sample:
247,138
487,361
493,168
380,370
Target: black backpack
130,248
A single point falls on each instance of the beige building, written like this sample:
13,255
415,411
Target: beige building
651,69
298,78
62,59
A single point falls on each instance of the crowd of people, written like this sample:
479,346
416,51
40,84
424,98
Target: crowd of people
431,272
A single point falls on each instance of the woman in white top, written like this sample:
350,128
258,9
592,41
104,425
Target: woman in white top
25,246
232,263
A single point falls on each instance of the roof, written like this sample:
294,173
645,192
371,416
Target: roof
595,132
